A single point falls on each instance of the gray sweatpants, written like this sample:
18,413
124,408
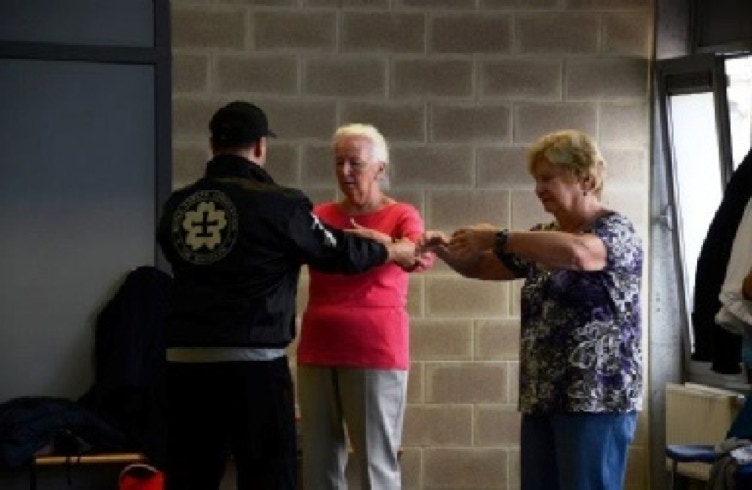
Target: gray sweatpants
370,403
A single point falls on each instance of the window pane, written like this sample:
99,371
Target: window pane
739,73
697,174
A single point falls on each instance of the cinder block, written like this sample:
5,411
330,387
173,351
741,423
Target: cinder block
608,4
397,121
415,302
527,210
441,339
454,296
190,117
515,293
503,168
471,33
410,464
345,76
208,28
625,124
428,77
301,301
301,118
464,468
299,29
437,4
387,32
427,425
319,194
282,163
513,382
433,166
190,72
563,33
625,166
497,425
520,4
189,163
521,79
367,4
534,120
271,74
451,209
487,123
260,3
627,33
466,382
606,78
411,196
632,203
513,478
317,165
496,340
415,383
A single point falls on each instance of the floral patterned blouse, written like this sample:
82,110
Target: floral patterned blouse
580,338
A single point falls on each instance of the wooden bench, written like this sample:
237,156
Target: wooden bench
84,459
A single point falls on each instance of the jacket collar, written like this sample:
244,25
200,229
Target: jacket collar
235,166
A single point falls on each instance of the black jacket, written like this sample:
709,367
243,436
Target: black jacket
236,241
128,389
713,343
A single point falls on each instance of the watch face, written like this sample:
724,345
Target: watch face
501,241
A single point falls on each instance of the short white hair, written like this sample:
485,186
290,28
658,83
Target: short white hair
379,146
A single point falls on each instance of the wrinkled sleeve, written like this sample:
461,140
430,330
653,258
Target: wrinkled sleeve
411,226
329,249
623,245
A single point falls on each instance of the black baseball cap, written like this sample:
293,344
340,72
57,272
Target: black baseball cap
239,124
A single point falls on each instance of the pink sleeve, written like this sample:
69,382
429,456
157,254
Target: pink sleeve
411,226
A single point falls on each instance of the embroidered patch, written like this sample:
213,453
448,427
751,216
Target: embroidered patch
205,227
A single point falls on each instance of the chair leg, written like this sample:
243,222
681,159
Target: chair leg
674,470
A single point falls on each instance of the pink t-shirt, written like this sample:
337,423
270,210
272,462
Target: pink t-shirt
361,320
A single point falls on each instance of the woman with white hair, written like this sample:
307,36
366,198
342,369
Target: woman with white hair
580,381
353,355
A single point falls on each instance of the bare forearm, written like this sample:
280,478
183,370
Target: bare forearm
558,249
481,266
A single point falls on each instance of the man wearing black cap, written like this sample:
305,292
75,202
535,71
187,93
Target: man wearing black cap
236,242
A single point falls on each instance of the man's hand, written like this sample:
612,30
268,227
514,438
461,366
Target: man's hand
403,252
431,240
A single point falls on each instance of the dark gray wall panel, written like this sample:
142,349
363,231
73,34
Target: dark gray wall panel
77,200
88,22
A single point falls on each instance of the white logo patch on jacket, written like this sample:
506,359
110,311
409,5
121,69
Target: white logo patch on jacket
205,227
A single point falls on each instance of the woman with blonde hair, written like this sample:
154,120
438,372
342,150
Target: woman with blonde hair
580,381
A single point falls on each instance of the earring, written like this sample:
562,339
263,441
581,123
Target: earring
584,193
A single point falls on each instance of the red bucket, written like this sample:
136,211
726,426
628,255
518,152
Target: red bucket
139,476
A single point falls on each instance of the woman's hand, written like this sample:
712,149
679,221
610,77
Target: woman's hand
431,240
473,240
364,232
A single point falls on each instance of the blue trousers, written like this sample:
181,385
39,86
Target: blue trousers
578,451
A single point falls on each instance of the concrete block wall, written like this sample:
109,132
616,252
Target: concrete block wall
459,88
